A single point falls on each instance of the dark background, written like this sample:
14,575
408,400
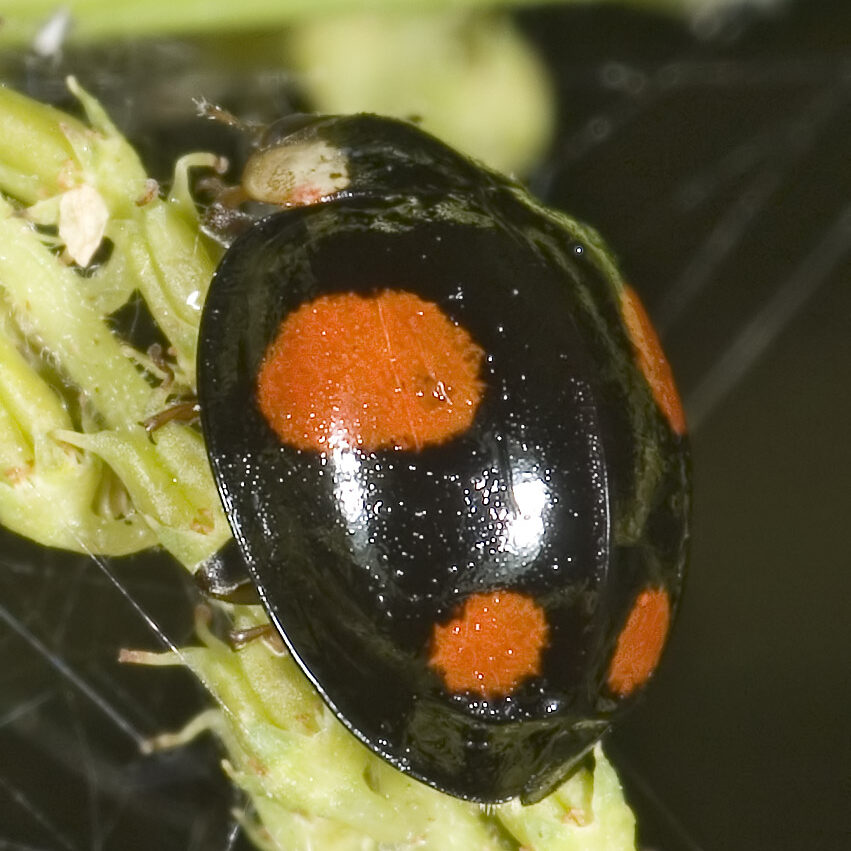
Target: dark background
716,160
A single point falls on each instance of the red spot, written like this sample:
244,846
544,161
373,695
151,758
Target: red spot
652,360
378,372
492,644
306,194
640,642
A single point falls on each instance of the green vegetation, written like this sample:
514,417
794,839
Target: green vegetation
96,19
313,785
77,468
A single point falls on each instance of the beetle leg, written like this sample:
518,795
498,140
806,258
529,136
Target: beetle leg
240,638
223,220
182,412
225,577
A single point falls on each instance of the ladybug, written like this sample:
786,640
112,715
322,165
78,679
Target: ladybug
450,449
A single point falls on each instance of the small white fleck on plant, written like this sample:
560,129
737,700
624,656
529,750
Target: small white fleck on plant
83,215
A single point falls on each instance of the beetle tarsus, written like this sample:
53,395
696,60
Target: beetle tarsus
182,412
240,638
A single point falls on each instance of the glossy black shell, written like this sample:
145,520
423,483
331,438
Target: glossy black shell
570,485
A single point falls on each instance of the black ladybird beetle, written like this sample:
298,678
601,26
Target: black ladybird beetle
451,452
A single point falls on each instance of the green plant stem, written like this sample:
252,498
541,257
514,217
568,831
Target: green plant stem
47,456
98,19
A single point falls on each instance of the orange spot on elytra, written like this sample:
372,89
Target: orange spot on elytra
492,644
376,372
640,642
652,360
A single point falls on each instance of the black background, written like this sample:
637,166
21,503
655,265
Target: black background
716,161
721,173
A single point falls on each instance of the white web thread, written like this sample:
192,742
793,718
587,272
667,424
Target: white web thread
82,686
